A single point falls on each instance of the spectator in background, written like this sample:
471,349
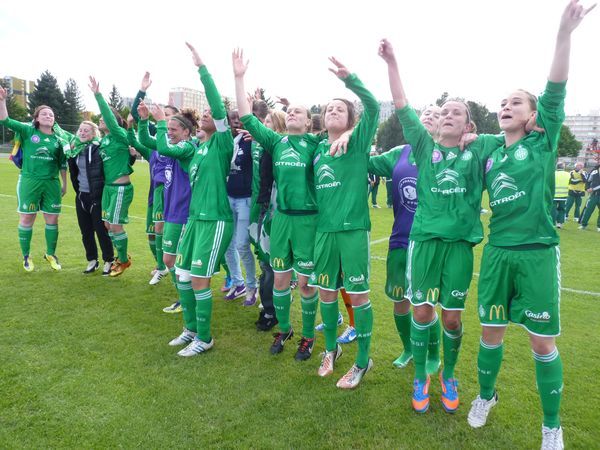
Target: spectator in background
577,180
593,188
561,180
374,185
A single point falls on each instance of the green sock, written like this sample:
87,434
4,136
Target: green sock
309,314
120,242
51,233
419,338
403,327
203,313
188,304
549,378
488,366
282,301
363,316
329,314
25,234
160,264
173,275
451,341
152,244
433,346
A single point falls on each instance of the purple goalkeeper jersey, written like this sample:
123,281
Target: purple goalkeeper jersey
177,192
404,195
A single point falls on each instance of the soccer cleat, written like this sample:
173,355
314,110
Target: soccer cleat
376,206
354,376
402,361
236,292
449,393
559,225
185,337
172,309
328,360
196,347
305,348
265,323
28,263
280,340
53,260
480,409
582,227
339,322
158,275
153,271
227,285
432,366
420,398
251,294
552,438
92,266
120,267
349,335
107,268
575,219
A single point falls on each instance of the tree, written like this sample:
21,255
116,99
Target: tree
73,107
315,109
260,93
486,122
389,134
15,111
114,99
567,144
227,103
442,99
47,92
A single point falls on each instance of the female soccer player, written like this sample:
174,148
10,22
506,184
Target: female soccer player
342,238
118,190
38,187
209,228
520,267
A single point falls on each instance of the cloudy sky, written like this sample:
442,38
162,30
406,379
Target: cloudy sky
477,49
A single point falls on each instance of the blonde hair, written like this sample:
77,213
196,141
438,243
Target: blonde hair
94,127
278,119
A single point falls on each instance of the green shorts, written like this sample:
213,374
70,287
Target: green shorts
521,286
149,222
116,199
439,272
203,245
171,236
342,259
33,195
158,203
395,283
292,243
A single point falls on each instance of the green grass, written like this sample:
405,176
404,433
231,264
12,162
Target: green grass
84,361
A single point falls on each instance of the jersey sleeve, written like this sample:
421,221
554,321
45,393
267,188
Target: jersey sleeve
214,99
24,129
551,112
383,165
110,120
135,143
182,151
487,143
144,134
261,134
365,130
415,133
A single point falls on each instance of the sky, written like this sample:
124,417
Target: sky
479,50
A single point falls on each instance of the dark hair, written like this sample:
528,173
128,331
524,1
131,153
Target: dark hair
173,108
260,109
317,123
122,123
188,118
36,113
351,112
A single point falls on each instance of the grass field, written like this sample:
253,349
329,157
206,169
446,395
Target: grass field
84,360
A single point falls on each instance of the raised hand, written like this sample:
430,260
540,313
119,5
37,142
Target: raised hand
94,85
386,51
143,110
130,121
146,82
283,100
3,94
195,57
340,70
237,60
573,15
157,112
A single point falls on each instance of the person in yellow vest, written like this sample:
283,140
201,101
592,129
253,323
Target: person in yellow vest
561,192
577,181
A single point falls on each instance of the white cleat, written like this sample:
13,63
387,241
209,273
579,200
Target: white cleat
158,275
184,338
480,408
552,438
328,360
354,376
196,347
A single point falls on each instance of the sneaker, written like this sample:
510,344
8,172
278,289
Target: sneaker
184,338
107,268
582,227
449,393
158,275
340,321
92,266
390,206
559,225
420,398
227,285
153,271
265,323
432,366
250,297
172,309
196,347
280,340
305,348
575,219
28,263
53,260
353,376
552,438
328,360
598,229
236,292
402,361
376,207
349,335
120,267
480,408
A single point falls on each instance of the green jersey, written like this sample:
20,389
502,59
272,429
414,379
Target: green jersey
135,143
43,155
208,165
520,179
114,147
292,166
256,152
341,181
449,184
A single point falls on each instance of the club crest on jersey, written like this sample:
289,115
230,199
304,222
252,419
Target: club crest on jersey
521,153
467,155
303,143
284,140
436,156
35,139
488,165
407,190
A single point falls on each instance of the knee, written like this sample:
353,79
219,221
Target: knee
451,323
423,314
307,291
402,308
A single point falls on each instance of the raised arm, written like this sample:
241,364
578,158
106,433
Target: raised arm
141,95
8,122
109,118
386,52
3,110
144,135
182,151
239,70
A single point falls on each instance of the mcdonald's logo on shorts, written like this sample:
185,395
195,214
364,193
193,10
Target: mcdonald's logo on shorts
278,263
323,279
498,310
159,216
433,295
179,259
398,292
32,207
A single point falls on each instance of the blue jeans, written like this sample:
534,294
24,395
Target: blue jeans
240,244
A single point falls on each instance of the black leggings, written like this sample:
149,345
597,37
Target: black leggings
89,216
